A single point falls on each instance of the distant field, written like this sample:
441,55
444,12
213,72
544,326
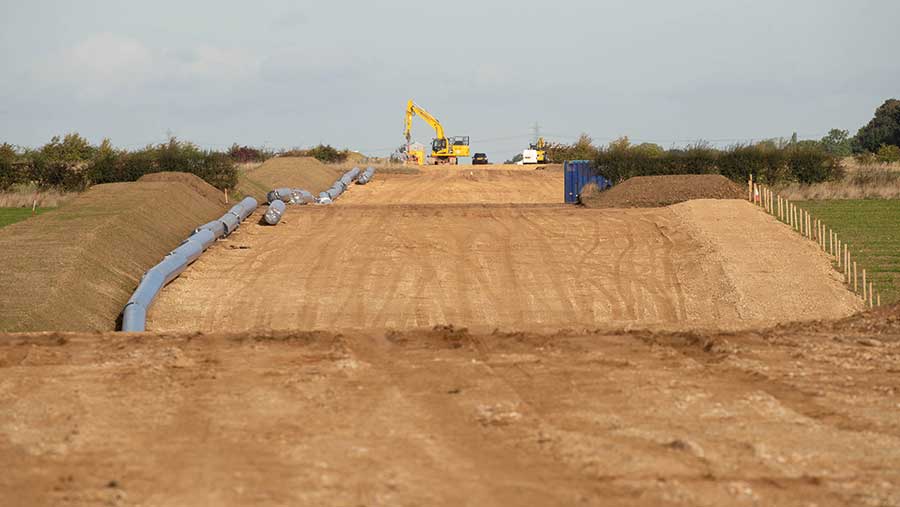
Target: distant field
13,215
872,229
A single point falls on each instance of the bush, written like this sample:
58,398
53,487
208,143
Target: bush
47,173
245,154
888,153
10,173
769,161
325,153
812,165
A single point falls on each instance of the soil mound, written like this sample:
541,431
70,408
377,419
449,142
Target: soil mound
656,191
294,172
74,268
203,188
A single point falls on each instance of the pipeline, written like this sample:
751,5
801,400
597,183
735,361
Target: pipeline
273,214
366,176
290,196
134,315
340,186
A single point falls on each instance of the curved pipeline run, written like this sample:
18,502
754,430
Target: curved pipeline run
134,315
343,183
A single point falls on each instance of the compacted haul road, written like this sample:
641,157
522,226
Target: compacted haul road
584,376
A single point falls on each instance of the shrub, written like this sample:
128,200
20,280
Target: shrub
582,149
325,153
10,173
244,154
812,165
768,161
865,158
48,173
889,153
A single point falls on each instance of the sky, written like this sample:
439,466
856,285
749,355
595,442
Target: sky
282,74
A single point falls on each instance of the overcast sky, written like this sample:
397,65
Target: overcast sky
296,73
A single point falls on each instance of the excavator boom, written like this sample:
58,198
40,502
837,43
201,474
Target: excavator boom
412,110
443,150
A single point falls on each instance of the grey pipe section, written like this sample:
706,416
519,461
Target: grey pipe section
216,227
273,214
134,315
350,176
280,194
324,198
300,196
290,196
366,176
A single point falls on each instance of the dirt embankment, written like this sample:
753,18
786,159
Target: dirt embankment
517,266
294,172
73,268
655,191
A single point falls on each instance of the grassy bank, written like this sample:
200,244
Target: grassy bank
13,215
872,229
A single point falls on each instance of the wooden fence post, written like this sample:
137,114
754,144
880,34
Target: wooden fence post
840,256
864,284
750,188
855,279
870,296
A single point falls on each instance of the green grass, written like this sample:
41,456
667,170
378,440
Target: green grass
871,228
13,215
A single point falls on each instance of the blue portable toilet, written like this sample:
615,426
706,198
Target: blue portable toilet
579,173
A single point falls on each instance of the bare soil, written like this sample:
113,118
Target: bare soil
653,191
486,184
797,416
467,260
75,267
600,387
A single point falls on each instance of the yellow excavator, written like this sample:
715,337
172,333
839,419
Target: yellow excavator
444,150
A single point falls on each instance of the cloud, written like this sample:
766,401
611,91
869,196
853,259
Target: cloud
106,64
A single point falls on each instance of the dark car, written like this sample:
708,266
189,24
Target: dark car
479,159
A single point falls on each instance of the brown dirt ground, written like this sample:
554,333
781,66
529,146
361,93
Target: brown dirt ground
504,184
599,389
362,264
294,172
796,416
653,191
73,268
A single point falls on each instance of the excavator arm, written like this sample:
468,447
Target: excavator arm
412,110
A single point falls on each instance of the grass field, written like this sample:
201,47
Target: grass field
871,227
13,215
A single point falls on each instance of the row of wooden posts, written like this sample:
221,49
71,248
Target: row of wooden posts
814,229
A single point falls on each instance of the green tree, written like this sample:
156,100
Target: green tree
70,149
884,128
837,142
